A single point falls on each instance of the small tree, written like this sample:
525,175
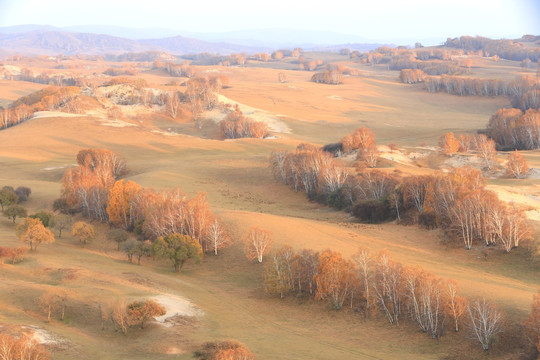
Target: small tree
216,237
84,232
34,233
142,311
120,317
118,235
485,322
449,143
178,249
224,350
257,244
23,193
516,166
62,206
14,254
8,197
44,216
15,211
49,303
61,222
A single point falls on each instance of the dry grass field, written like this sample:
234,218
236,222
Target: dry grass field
225,292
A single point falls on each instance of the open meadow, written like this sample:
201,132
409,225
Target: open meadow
223,297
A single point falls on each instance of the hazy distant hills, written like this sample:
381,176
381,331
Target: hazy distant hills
49,40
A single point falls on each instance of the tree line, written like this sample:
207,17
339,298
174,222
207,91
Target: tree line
24,108
456,201
515,129
377,284
505,49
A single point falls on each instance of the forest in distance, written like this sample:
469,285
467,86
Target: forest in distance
284,204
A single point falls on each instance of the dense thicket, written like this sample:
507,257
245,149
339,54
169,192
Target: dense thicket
515,129
237,125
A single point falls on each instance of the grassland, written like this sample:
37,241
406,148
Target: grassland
242,192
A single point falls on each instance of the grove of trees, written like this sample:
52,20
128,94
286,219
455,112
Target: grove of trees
375,283
94,188
236,125
457,202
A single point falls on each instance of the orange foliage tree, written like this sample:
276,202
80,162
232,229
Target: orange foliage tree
122,205
336,279
516,166
34,233
449,143
84,232
224,350
142,311
24,347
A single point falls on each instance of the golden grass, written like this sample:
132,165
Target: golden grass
243,193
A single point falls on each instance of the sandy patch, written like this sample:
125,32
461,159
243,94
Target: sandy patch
55,168
11,70
173,350
457,161
175,306
116,123
166,133
273,122
397,157
334,97
49,114
42,336
533,173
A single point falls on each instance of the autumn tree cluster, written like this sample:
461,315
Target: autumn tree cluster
34,233
457,201
131,71
224,350
21,348
504,48
377,284
13,254
484,147
515,129
465,86
124,315
174,69
309,169
86,187
95,188
237,125
412,76
332,76
46,77
10,196
50,98
362,140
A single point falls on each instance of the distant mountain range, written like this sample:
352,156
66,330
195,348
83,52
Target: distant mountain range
92,40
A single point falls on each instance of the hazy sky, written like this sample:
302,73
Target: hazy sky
373,19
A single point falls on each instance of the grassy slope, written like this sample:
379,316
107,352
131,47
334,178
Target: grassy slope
242,192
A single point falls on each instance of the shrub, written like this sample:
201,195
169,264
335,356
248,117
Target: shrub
372,211
337,200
